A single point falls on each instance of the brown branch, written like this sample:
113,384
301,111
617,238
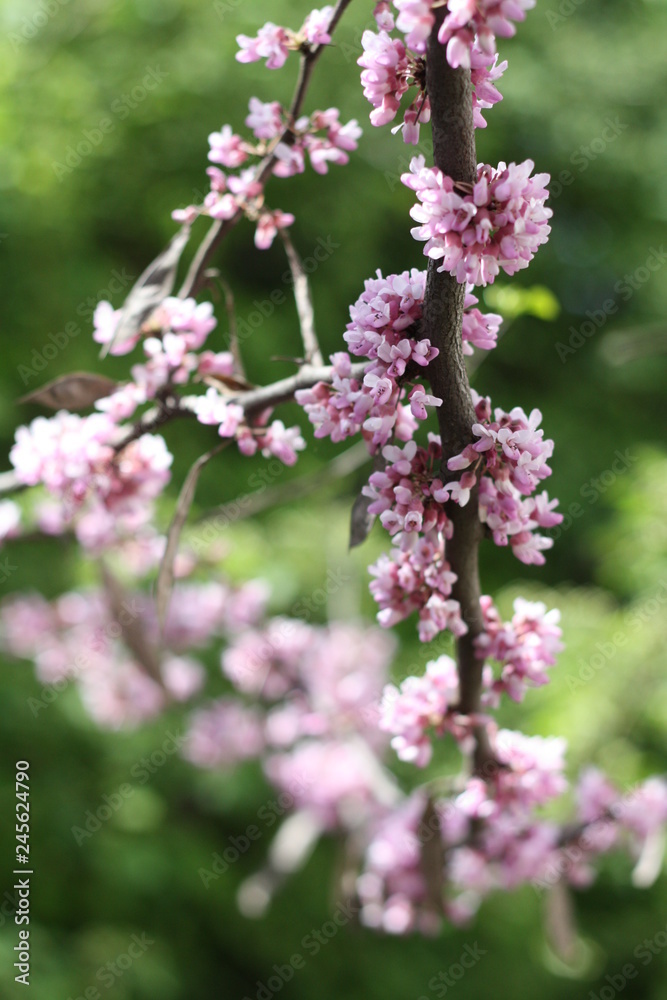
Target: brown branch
253,401
220,229
450,94
304,303
267,396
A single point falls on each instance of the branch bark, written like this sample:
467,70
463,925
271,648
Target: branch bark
450,95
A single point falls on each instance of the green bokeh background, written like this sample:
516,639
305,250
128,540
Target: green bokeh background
65,232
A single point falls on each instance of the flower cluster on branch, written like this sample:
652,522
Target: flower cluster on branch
315,703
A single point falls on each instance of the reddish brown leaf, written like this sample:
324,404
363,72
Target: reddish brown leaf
77,391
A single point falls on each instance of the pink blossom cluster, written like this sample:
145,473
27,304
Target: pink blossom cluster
81,637
489,834
176,328
180,327
388,72
275,439
379,321
424,705
639,815
468,24
498,222
274,43
480,329
316,728
508,460
101,494
417,577
492,835
392,888
510,447
401,492
321,135
478,22
485,71
339,782
525,647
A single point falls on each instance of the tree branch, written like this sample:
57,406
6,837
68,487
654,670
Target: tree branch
253,401
450,95
304,303
219,229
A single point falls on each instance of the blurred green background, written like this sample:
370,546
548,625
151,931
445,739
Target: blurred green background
584,98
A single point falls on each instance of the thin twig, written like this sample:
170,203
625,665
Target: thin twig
165,578
252,401
220,229
304,303
339,468
233,333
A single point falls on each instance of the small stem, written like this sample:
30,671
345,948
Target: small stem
233,333
304,303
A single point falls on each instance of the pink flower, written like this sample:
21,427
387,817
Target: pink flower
265,120
226,148
105,321
471,23
283,442
268,225
213,408
386,71
501,223
415,20
416,577
420,399
223,734
525,647
383,16
315,27
221,363
272,43
420,705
